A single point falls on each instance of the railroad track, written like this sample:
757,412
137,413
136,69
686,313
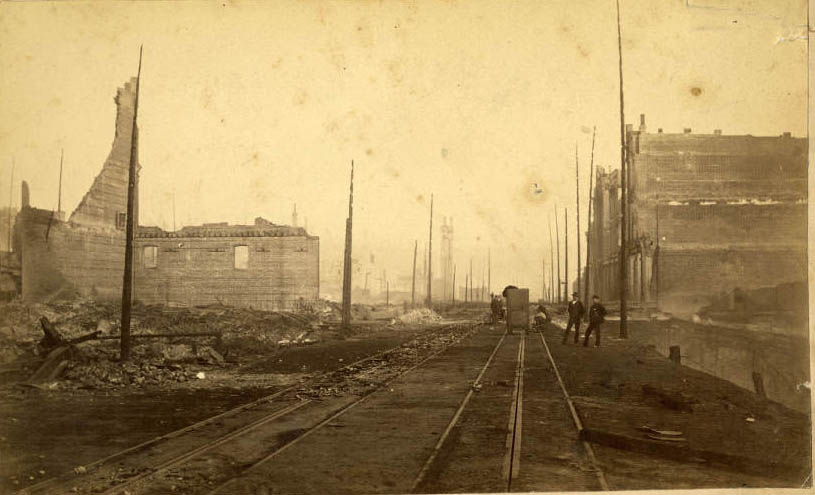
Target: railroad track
228,486
132,468
511,467
601,478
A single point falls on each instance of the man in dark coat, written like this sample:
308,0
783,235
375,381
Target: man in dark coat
576,313
597,315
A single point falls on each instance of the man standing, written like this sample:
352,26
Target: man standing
597,315
576,313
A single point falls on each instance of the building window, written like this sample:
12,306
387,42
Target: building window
241,257
150,256
121,220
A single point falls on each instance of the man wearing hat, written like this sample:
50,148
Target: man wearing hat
576,312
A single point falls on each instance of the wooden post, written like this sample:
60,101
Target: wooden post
623,258
430,259
471,279
454,285
551,265
758,383
557,240
577,193
10,204
59,194
675,354
489,272
346,272
589,225
127,280
566,255
413,285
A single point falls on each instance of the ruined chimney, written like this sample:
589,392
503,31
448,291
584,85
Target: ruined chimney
642,123
294,216
717,132
687,130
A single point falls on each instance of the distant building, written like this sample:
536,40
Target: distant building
264,266
709,215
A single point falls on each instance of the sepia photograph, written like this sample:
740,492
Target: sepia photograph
405,246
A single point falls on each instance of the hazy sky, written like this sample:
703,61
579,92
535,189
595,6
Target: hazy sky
247,108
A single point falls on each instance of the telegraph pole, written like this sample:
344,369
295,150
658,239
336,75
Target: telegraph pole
430,259
577,194
59,194
489,271
566,254
413,285
471,280
623,258
557,239
10,204
454,285
551,264
589,227
346,271
127,282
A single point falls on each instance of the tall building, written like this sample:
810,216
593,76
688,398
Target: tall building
710,214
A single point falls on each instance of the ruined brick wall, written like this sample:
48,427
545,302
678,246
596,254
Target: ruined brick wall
85,255
726,212
194,270
107,196
61,260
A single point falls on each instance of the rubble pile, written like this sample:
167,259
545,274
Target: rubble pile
419,316
112,374
376,371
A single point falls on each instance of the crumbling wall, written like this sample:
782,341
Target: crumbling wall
85,256
61,260
106,200
727,213
281,271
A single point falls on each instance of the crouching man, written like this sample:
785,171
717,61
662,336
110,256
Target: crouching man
597,315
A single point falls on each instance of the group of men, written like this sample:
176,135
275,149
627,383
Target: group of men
597,315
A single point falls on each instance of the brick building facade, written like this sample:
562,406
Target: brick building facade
709,214
264,266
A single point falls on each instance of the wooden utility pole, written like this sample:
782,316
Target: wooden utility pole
471,279
481,291
589,226
543,278
413,285
577,193
127,282
10,204
623,258
430,259
489,272
454,285
387,293
557,241
551,264
59,194
566,255
346,270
